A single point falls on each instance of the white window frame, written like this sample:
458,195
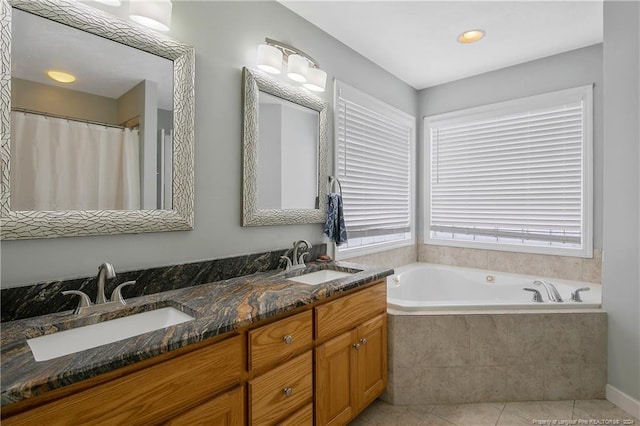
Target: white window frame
383,108
509,107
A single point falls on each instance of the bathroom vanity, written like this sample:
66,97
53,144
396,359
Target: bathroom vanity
262,350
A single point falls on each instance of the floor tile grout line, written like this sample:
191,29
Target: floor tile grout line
504,405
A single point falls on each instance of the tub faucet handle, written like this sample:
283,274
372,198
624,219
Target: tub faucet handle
537,297
575,296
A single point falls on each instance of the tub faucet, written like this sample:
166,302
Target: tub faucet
552,291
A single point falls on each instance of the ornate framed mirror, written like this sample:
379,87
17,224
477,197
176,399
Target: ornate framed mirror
159,196
284,153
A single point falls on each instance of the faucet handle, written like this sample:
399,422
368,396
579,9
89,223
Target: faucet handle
84,302
575,296
537,297
116,295
287,262
301,259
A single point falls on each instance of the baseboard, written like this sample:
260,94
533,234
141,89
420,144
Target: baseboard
622,400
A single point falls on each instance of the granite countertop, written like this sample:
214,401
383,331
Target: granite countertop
218,308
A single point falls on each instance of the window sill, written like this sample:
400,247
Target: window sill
345,254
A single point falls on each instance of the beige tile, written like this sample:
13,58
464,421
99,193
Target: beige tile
413,386
593,338
412,341
561,382
478,414
488,384
521,413
525,339
488,339
600,409
593,379
382,413
525,382
519,263
450,385
455,256
390,258
562,338
568,268
450,341
592,268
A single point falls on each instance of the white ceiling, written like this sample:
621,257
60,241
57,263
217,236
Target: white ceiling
417,40
102,67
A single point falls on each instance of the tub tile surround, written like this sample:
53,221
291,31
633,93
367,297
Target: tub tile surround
47,298
218,308
563,267
452,358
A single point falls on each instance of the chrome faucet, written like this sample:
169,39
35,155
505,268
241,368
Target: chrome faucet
297,260
552,292
105,271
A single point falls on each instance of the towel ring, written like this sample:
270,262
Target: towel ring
332,184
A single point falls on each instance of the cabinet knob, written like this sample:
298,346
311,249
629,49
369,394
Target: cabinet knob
363,340
288,339
287,391
356,346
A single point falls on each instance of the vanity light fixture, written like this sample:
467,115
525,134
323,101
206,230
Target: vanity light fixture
61,77
155,14
471,36
301,67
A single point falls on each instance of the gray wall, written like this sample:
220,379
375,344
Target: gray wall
621,256
563,71
225,36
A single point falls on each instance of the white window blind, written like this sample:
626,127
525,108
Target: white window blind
518,174
374,165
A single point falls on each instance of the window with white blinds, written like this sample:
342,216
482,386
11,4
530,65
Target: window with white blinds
513,176
374,163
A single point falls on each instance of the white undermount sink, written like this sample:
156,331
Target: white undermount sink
79,339
319,277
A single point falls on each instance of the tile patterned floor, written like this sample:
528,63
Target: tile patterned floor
579,412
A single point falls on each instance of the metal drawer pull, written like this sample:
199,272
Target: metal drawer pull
287,391
363,340
288,339
356,346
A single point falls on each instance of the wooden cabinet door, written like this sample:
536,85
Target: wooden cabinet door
335,374
372,360
225,410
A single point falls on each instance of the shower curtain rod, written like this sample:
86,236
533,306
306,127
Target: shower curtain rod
47,114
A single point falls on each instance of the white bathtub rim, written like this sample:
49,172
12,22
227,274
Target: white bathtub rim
412,307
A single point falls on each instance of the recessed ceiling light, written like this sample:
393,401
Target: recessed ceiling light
61,77
470,36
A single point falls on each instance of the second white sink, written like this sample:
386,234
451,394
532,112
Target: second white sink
79,339
319,277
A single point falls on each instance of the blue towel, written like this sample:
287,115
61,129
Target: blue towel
334,226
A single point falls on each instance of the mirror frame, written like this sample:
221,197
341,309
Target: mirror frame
70,223
253,82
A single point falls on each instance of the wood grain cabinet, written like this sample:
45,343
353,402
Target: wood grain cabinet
321,365
351,368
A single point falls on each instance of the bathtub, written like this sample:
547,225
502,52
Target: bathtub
427,287
459,335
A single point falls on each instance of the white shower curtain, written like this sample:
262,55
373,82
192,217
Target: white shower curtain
59,164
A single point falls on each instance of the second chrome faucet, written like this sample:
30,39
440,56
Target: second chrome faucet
297,256
105,272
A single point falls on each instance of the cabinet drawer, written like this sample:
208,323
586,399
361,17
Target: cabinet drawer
268,400
349,311
302,417
280,340
151,395
224,410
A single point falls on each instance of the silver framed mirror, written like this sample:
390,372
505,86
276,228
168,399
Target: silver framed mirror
284,153
177,213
